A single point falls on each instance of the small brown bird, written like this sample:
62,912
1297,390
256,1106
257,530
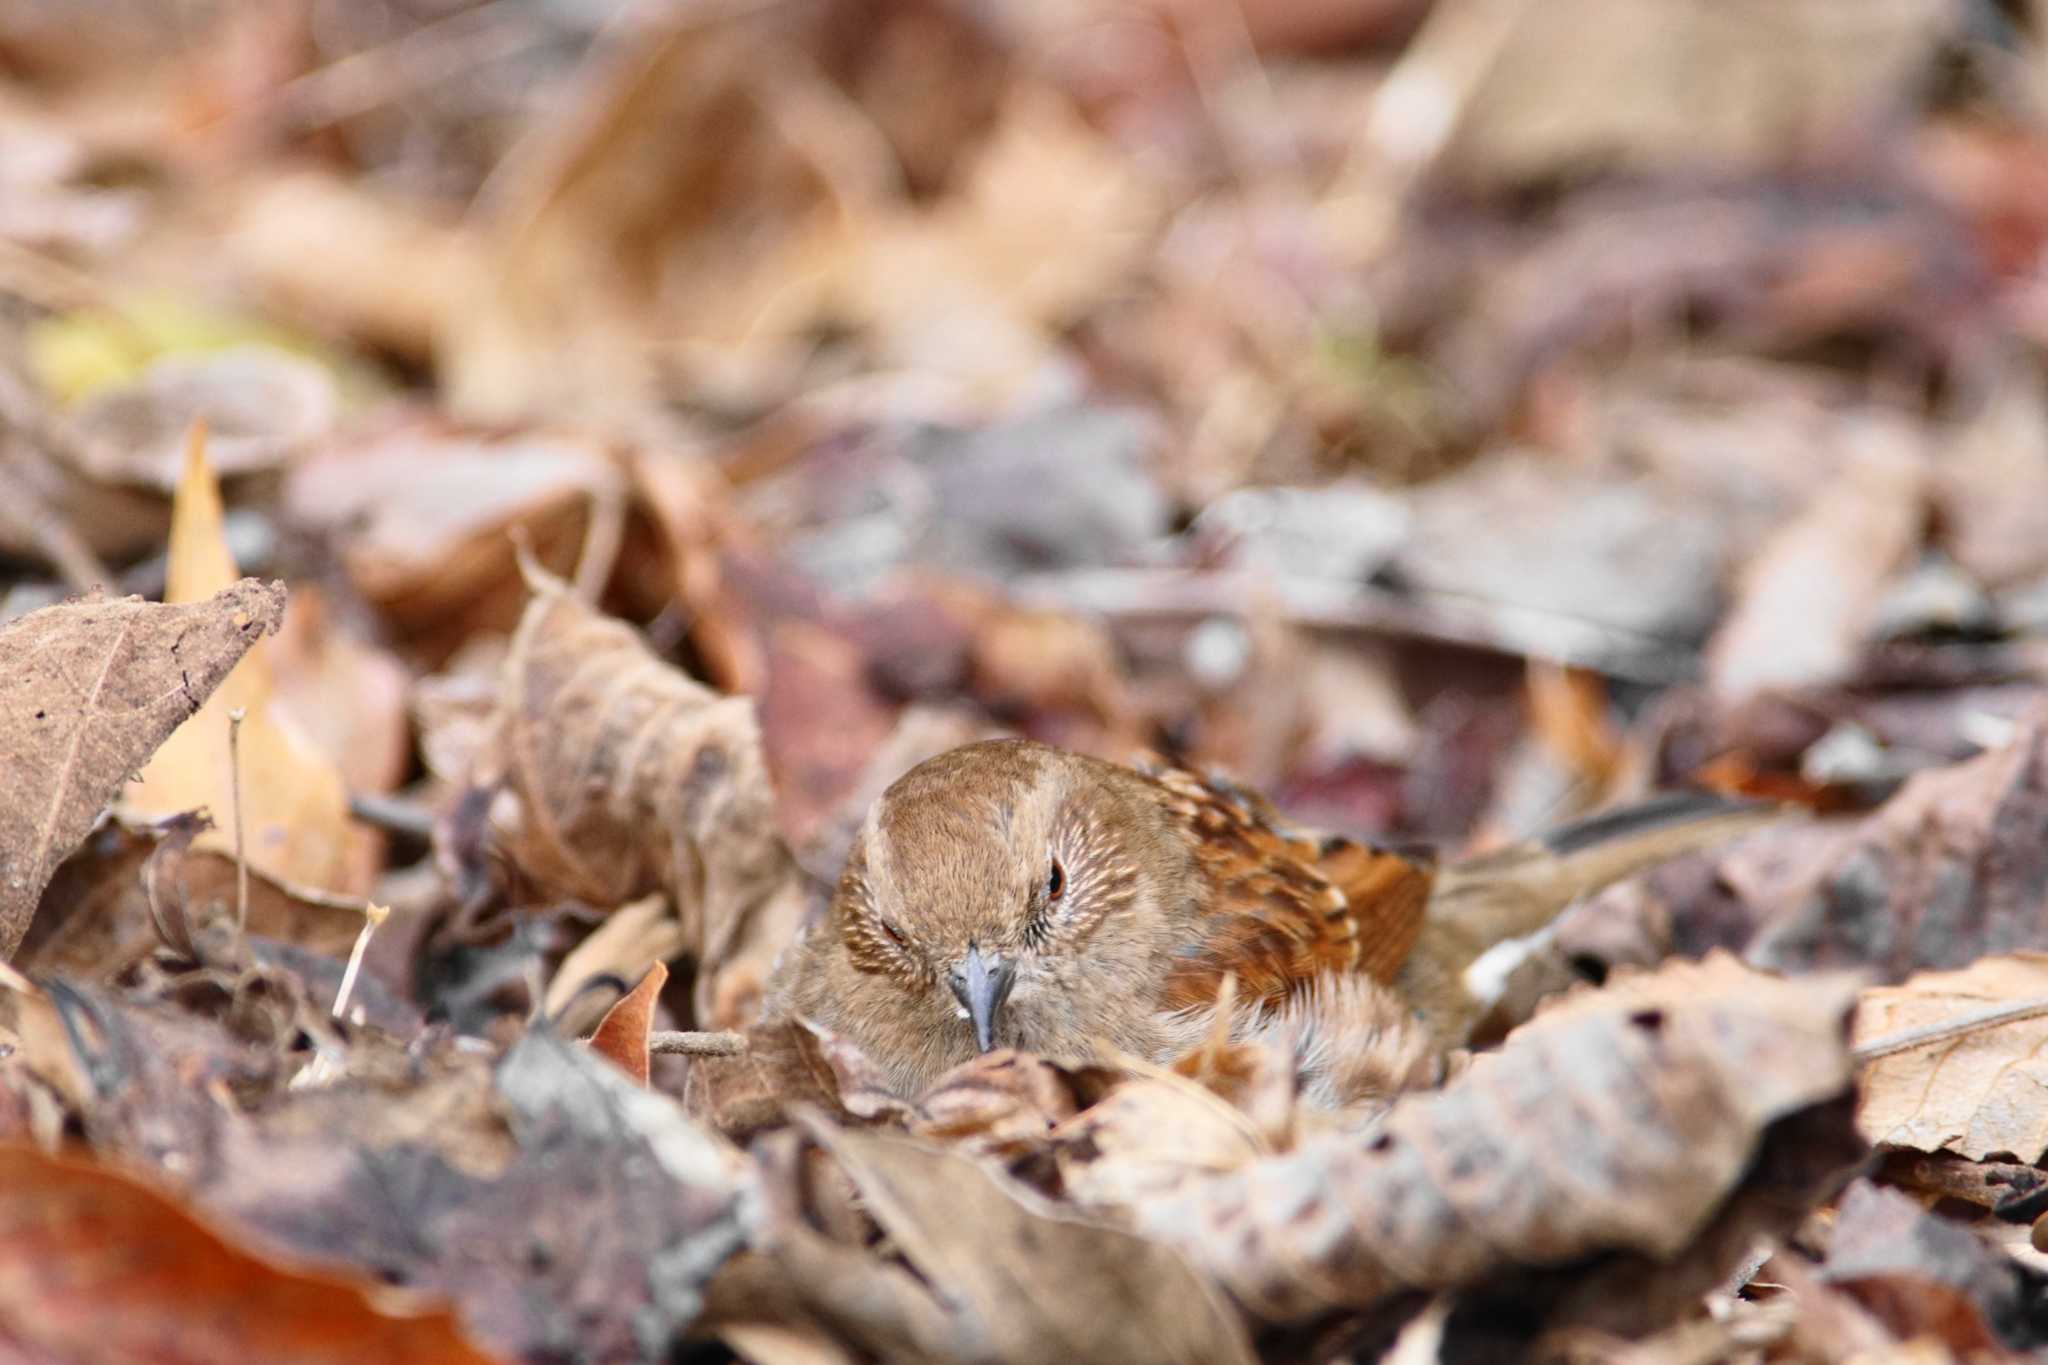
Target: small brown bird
1007,894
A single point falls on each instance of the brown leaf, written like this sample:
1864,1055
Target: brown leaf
784,1066
631,778
95,918
87,691
1805,601
420,510
1150,1136
1924,1276
1019,1281
821,720
632,936
603,205
1540,90
1951,868
1621,1120
1982,1093
1002,1104
621,1036
97,1266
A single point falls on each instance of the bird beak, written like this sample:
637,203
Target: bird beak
982,985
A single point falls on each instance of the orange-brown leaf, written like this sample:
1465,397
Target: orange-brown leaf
621,1036
98,1266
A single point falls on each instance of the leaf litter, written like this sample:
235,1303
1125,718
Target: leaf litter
1450,418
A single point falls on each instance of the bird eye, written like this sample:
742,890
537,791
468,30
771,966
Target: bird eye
895,934
1056,881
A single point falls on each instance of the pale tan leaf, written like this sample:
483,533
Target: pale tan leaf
294,806
1980,1094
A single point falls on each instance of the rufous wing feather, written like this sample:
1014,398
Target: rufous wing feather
1286,906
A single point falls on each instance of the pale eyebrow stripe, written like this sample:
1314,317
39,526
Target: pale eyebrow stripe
880,873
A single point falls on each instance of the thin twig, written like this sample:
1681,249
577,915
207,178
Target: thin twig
392,814
373,916
689,1043
427,56
1452,618
1940,1032
601,542
235,791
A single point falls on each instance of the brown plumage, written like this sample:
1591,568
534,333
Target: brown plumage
1011,894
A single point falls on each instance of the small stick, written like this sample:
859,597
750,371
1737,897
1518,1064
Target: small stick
689,1043
1940,1032
392,814
373,915
235,789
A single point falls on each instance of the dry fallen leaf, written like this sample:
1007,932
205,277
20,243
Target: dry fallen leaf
98,1266
621,1036
420,511
782,1066
94,920
261,407
630,778
1804,604
632,936
1928,1279
87,691
1009,1277
1979,1095
1523,91
1621,1120
1949,869
293,805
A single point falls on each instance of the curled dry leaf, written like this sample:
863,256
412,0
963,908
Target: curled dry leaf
630,778
96,1265
1150,1136
785,1066
1619,1121
89,690
1983,1093
1003,1103
621,1036
1000,1275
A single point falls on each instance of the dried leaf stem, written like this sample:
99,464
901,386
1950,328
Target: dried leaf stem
689,1043
235,790
1925,1035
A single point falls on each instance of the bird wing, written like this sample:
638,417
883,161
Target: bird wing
1286,906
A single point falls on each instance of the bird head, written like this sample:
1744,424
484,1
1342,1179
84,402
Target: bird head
1006,894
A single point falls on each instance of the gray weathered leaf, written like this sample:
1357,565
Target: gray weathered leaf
88,690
